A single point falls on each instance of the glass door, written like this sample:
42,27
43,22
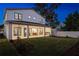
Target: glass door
25,32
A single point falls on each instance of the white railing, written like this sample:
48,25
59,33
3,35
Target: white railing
73,34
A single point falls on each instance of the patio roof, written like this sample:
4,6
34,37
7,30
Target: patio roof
26,23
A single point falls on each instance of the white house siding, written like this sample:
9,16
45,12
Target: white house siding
6,30
25,15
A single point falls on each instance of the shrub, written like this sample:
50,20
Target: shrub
2,36
23,47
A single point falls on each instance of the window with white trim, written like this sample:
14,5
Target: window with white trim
18,16
17,31
33,31
40,31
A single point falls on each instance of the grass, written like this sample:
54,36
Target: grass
52,45
46,46
6,49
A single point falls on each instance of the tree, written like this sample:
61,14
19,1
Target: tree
48,12
72,22
2,26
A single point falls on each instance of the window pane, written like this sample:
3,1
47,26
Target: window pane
17,31
40,31
16,16
20,16
25,32
33,31
30,30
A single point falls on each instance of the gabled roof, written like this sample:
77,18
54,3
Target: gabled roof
22,9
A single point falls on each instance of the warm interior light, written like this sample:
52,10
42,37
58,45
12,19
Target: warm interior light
34,30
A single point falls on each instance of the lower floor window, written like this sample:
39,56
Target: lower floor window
47,33
33,31
17,31
40,31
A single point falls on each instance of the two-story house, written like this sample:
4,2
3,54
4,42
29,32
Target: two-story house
24,23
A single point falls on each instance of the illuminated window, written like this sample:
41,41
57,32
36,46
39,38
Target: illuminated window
33,31
17,31
18,16
40,31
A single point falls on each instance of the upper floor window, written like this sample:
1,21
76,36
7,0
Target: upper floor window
18,16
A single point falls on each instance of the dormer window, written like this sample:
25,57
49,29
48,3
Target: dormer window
18,16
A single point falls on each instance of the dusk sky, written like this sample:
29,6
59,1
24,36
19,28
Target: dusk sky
62,11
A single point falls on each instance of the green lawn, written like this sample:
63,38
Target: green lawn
46,46
6,49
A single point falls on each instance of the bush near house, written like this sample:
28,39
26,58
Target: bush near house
23,47
2,36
